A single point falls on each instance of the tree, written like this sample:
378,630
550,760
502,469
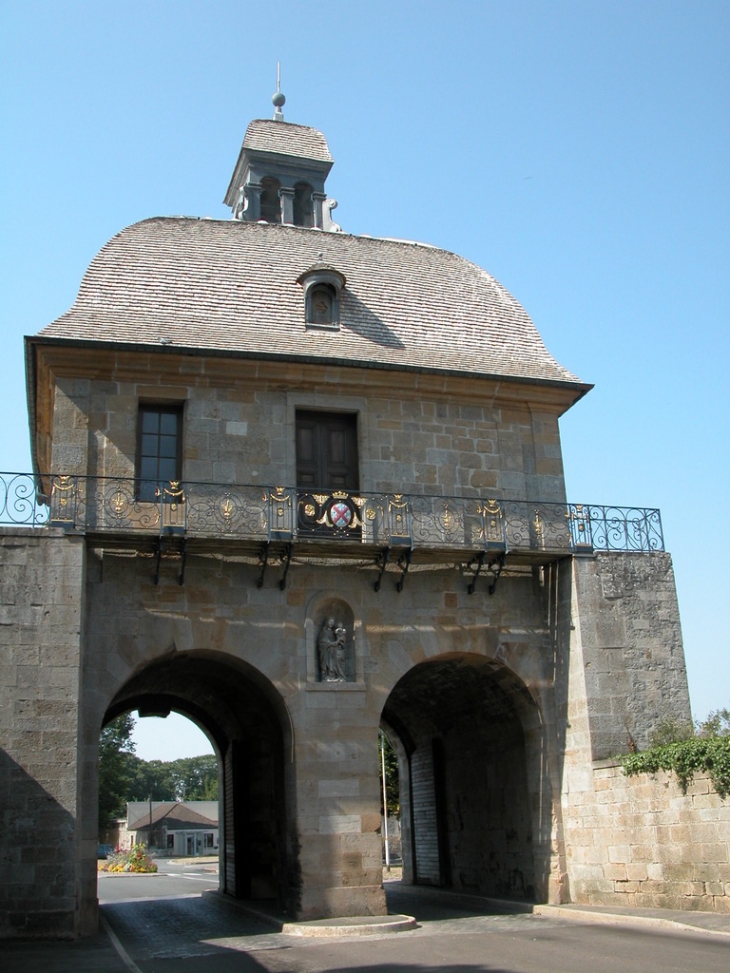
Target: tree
195,778
150,779
392,784
123,776
184,779
115,748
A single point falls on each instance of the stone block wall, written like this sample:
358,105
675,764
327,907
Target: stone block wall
333,794
627,640
41,618
239,426
639,841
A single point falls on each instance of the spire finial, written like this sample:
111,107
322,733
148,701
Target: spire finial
278,99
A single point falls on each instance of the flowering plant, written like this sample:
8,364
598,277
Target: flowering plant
135,860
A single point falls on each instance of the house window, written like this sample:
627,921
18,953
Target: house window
327,473
159,448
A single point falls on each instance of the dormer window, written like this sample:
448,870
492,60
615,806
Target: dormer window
322,288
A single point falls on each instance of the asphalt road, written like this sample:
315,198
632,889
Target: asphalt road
173,878
166,925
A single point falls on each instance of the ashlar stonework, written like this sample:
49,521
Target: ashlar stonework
298,535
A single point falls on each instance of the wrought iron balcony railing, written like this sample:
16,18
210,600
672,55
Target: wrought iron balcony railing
112,505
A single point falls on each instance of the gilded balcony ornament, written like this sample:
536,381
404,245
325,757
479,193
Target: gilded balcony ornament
447,519
537,524
176,491
62,488
343,516
118,503
396,502
97,504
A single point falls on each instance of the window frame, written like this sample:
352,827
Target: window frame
324,507
317,278
143,481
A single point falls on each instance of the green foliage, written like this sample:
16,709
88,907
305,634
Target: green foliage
392,784
123,776
188,779
686,750
671,731
115,747
717,724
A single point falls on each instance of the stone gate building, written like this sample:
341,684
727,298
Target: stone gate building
299,485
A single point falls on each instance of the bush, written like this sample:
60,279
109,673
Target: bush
688,749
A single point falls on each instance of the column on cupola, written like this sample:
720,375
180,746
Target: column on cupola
286,195
252,193
318,205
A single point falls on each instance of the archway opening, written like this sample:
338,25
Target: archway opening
303,211
458,726
270,201
246,724
159,777
390,817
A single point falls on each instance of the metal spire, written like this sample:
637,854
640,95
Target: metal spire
278,99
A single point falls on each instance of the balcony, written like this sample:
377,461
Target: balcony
275,523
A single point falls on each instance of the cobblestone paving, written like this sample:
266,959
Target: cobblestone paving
183,927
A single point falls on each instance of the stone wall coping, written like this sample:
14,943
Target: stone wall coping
42,532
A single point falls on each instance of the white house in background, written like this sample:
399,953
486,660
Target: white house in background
180,828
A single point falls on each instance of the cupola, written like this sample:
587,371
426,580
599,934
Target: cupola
280,173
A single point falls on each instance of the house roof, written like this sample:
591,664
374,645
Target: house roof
285,138
232,287
176,815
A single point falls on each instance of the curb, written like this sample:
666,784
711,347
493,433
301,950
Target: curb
100,872
350,926
624,919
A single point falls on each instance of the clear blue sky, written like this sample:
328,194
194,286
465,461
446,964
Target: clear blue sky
579,151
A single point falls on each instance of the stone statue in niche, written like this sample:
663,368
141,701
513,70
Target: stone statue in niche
331,651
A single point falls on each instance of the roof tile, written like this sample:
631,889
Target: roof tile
232,286
265,135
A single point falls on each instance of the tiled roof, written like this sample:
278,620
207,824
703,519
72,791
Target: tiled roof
178,817
232,286
265,135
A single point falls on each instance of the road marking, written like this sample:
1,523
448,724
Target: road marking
123,954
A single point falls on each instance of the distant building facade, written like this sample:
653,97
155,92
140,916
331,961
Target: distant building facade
179,828
299,485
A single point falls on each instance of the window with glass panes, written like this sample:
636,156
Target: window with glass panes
159,450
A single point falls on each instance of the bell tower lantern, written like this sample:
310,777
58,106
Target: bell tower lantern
280,173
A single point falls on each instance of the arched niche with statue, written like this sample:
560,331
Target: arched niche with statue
331,640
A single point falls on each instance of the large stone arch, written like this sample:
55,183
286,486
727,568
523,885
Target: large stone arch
478,804
248,723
